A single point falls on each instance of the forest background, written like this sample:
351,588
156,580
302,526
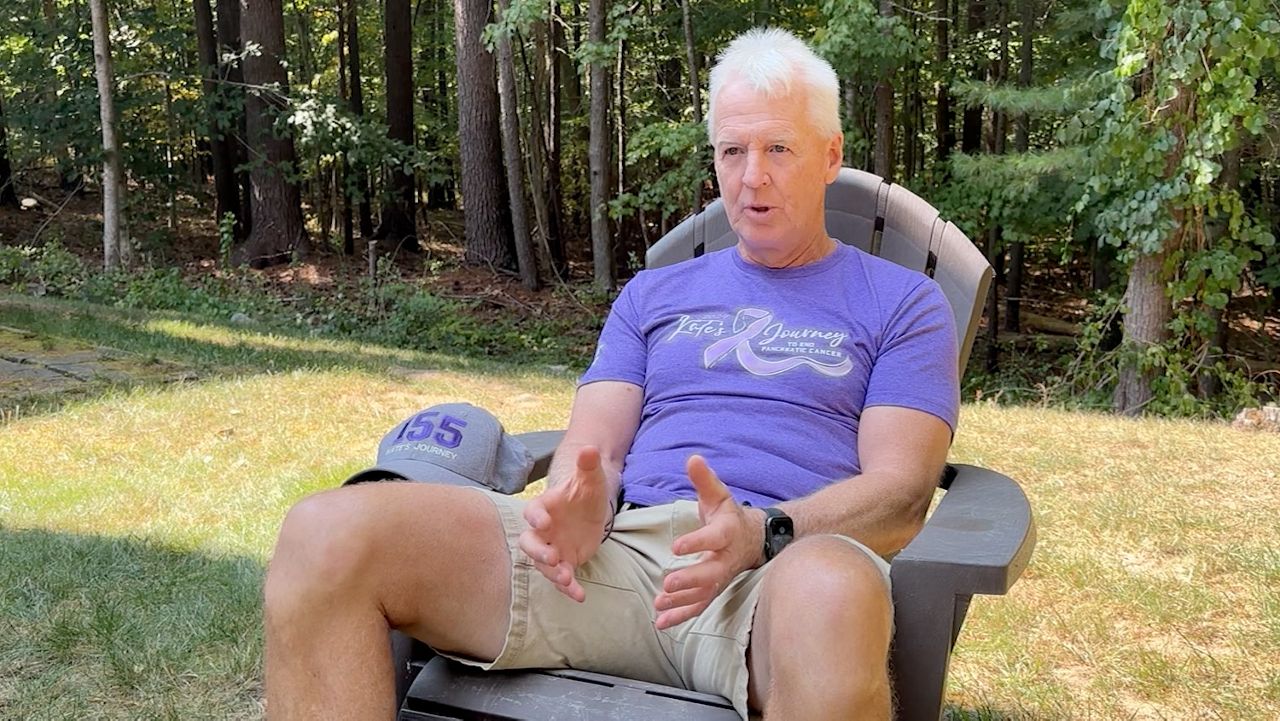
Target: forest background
414,173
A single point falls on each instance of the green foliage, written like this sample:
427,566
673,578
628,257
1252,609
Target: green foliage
682,157
859,42
49,268
1028,195
1182,92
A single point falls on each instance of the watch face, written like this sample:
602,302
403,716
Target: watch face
779,531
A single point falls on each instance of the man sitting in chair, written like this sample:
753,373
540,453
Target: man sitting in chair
778,414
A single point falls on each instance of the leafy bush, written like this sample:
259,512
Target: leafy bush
50,267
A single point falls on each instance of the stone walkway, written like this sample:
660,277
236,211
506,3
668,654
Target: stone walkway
34,368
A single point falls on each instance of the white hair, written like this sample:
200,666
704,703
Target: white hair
776,63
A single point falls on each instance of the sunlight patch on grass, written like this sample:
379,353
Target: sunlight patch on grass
232,338
215,465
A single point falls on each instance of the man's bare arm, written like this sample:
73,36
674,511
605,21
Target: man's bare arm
902,452
568,520
606,415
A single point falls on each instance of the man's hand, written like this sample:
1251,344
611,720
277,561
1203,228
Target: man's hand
731,541
567,523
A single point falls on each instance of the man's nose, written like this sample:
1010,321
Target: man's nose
757,171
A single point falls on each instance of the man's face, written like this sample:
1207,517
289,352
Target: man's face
773,166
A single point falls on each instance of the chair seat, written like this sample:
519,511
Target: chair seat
454,692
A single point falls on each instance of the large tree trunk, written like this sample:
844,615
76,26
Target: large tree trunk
278,233
232,93
514,161
116,251
598,156
488,220
1148,311
8,193
399,215
221,150
884,155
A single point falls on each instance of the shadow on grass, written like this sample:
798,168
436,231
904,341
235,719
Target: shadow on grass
211,349
101,627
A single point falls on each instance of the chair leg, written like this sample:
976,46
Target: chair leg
923,634
401,654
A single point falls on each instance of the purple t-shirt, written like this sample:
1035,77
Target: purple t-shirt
765,372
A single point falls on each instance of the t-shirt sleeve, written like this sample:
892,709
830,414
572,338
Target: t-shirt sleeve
621,351
917,363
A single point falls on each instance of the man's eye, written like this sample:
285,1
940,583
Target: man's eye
777,148
732,151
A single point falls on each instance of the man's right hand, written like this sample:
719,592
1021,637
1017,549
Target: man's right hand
567,523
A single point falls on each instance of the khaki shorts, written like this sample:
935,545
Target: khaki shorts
613,631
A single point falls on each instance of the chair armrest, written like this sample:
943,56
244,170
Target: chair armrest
542,445
978,539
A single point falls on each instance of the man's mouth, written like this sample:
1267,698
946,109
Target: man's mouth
758,209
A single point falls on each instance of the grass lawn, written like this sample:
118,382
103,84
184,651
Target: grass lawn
135,524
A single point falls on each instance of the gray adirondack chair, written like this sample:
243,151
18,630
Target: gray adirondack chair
977,540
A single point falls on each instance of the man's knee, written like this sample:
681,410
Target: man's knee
831,578
325,546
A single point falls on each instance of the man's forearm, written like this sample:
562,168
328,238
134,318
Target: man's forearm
565,460
883,511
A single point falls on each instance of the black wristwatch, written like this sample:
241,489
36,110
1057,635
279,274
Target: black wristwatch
779,530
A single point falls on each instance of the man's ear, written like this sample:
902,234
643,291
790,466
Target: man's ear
835,157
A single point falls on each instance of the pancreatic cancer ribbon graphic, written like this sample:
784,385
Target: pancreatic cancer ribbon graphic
741,343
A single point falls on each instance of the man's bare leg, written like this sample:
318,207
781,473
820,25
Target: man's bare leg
352,563
820,639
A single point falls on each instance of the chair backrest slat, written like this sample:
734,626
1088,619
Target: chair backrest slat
877,217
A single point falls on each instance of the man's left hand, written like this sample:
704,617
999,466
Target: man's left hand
730,541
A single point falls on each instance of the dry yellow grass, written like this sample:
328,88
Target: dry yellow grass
1152,593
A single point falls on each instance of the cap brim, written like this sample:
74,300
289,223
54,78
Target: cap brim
410,470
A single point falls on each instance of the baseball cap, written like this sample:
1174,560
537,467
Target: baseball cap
454,443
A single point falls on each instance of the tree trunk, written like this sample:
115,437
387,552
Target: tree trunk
234,129
695,85
116,251
695,72
556,62
514,161
399,225
944,120
8,193
598,156
971,130
221,145
536,141
884,155
357,108
488,222
911,113
347,221
278,233
1148,311
1021,144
